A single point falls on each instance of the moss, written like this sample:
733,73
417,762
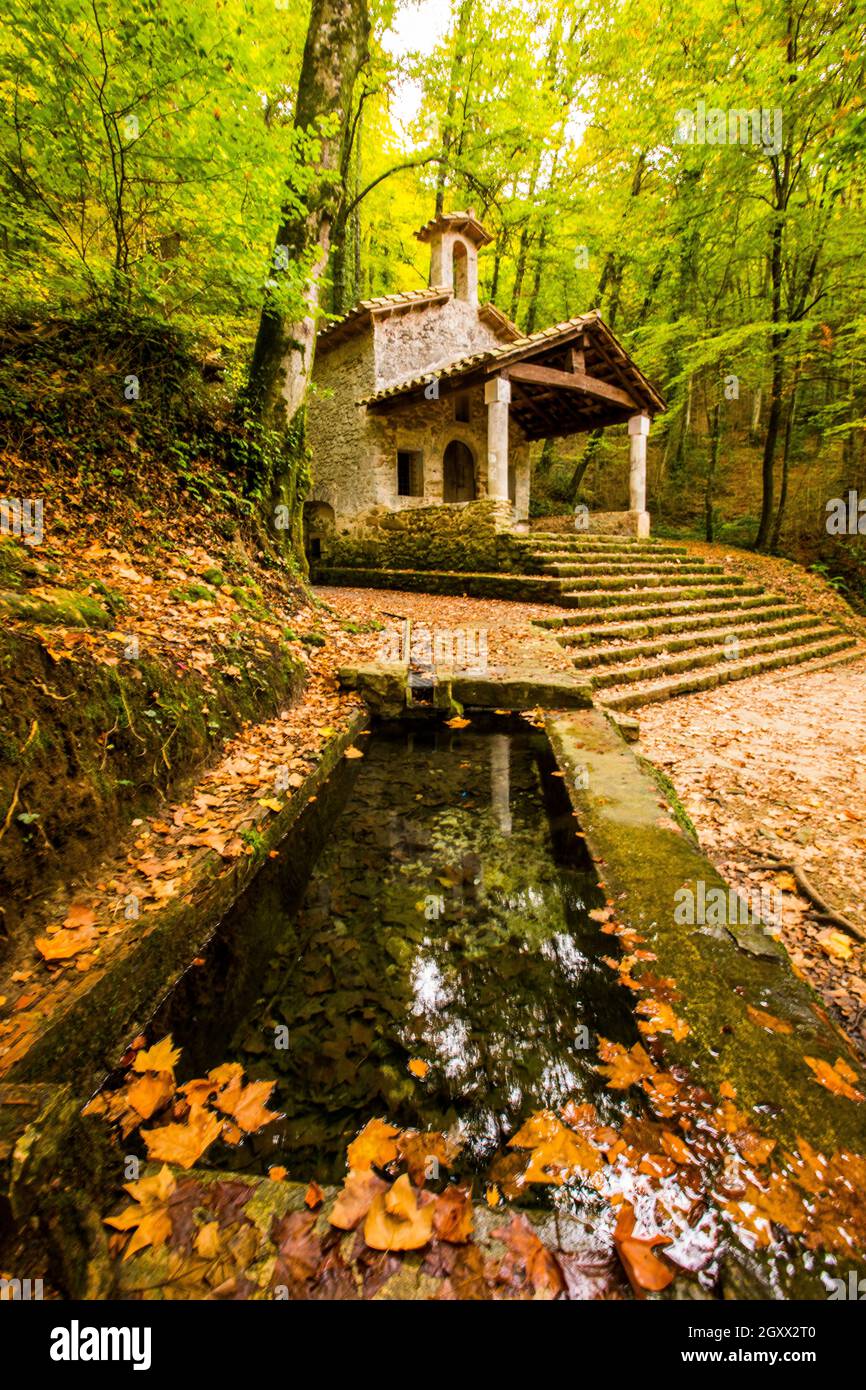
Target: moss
193,594
56,608
110,742
669,792
314,639
214,577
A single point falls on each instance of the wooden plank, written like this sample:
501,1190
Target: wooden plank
569,381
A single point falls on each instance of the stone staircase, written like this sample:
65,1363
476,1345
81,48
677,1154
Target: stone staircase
655,622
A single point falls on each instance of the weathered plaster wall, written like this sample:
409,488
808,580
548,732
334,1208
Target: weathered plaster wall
407,344
339,432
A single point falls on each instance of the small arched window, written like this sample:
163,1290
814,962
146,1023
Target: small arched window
460,276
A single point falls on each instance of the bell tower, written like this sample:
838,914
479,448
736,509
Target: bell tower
454,239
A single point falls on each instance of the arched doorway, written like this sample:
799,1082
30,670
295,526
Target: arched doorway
318,523
458,473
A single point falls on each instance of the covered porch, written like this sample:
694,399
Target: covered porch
569,379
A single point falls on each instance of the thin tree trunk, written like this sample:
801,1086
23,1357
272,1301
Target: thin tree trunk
712,467
282,360
786,457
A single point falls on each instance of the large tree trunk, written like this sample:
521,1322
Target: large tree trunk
282,360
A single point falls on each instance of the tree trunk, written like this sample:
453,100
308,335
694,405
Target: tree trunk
282,360
712,467
786,457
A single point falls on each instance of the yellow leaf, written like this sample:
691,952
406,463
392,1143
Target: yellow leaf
163,1056
185,1143
353,753
374,1145
271,803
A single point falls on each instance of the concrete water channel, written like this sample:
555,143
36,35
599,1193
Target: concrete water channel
450,899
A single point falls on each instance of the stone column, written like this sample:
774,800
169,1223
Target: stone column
638,428
497,394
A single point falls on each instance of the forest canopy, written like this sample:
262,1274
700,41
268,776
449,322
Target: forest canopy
694,171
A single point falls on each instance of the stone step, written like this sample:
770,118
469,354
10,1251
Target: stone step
657,604
569,545
614,583
656,691
697,658
654,616
692,621
567,568
617,651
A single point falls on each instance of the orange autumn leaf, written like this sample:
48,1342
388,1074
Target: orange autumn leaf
353,753
374,1146
557,1151
837,1078
355,1199
79,915
661,1019
769,1021
452,1217
184,1143
149,1218
150,1092
425,1152
313,1197
163,1056
621,1066
247,1104
542,1270
458,723
645,1272
676,1148
64,944
418,1067
397,1220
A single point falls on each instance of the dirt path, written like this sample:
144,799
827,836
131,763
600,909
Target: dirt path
777,765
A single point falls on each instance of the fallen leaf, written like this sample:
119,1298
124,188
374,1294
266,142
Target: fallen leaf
769,1021
837,1078
374,1145
64,944
184,1143
355,1199
452,1218
397,1220
150,1092
163,1056
418,1068
645,1272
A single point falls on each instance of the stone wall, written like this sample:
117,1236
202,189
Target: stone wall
407,344
469,537
354,451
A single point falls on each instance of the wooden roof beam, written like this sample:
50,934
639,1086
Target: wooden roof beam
570,381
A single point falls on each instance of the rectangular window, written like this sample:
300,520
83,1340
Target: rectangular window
410,473
462,410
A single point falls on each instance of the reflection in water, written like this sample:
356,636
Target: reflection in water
445,920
